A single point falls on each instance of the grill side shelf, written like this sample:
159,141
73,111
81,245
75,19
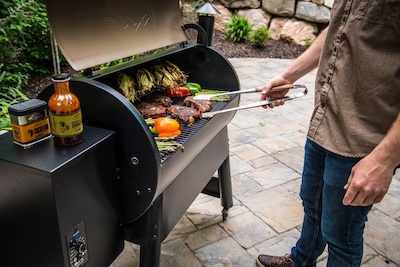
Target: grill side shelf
136,152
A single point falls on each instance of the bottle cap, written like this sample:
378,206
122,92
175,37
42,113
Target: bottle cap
60,77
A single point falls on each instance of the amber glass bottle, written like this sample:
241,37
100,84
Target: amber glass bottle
65,113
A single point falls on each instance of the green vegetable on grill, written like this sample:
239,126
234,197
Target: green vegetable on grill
194,88
164,145
221,98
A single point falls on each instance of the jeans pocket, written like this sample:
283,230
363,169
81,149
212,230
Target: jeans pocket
379,12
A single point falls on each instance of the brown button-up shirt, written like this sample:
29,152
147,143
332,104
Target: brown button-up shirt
357,95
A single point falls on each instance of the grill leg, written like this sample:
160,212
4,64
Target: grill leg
150,255
150,247
225,185
146,232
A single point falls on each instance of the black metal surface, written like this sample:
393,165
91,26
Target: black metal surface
207,23
46,191
201,33
143,172
152,228
157,190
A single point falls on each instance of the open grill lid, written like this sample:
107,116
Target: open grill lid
93,32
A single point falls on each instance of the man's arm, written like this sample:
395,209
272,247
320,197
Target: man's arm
305,63
370,178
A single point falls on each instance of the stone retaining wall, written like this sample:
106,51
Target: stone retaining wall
297,21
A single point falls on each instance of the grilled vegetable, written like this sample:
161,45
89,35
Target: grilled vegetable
194,88
145,80
176,73
168,146
221,98
169,134
177,91
127,86
163,78
166,127
164,144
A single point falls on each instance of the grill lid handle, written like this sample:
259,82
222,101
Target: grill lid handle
200,31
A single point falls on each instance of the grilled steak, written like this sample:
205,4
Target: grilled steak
151,110
185,115
200,105
159,98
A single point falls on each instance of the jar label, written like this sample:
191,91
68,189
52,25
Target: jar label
66,125
31,132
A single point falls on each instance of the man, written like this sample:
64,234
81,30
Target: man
353,142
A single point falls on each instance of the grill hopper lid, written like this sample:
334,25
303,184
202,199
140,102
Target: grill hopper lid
93,32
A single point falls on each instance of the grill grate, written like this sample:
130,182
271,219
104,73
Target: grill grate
188,131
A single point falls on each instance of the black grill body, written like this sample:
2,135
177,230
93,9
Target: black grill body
158,190
50,196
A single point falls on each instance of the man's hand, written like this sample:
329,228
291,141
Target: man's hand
370,178
267,94
368,183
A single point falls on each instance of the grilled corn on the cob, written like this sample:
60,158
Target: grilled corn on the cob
145,81
127,86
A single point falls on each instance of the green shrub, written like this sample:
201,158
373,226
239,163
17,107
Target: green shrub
25,49
260,36
8,96
26,35
308,43
238,29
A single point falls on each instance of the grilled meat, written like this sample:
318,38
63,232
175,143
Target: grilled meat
159,98
185,115
151,110
200,105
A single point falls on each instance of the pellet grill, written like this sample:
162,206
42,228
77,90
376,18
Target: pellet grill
115,185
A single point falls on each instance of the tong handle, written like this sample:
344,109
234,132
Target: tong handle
285,87
261,103
254,90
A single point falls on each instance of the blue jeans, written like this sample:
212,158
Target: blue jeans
327,221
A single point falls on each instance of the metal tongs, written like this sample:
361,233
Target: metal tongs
256,104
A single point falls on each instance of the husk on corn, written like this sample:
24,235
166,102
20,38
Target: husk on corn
176,73
164,79
145,80
127,86
161,76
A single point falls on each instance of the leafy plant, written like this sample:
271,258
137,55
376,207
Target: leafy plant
25,49
238,29
8,96
198,3
308,43
260,36
116,62
26,35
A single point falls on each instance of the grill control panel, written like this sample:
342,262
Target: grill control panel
77,246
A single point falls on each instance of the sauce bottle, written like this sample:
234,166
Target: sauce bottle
65,113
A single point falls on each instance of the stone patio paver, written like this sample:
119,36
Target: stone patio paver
266,148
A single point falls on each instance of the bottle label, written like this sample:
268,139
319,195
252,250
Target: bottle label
66,125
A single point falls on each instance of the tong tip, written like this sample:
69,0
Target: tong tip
201,97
